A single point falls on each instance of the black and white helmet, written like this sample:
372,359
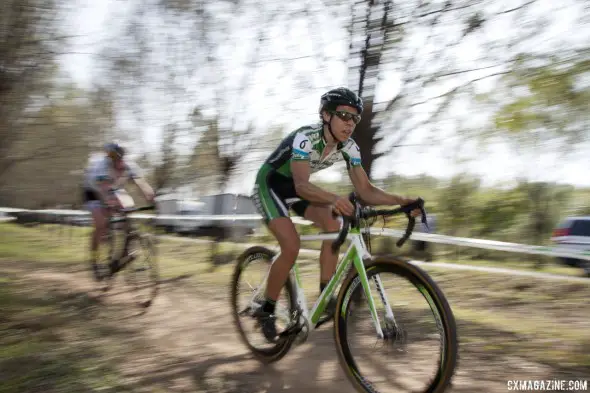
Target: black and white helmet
114,150
341,96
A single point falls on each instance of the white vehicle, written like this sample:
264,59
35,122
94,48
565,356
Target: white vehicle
173,205
574,233
166,205
229,205
189,208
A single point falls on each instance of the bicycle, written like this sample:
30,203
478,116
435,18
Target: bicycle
130,258
356,268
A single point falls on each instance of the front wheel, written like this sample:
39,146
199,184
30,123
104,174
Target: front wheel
142,273
418,352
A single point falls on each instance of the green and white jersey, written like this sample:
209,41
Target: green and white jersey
308,144
274,190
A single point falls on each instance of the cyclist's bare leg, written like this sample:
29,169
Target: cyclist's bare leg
322,217
100,225
286,234
284,231
100,222
126,201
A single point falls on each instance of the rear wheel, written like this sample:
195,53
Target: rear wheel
99,268
247,293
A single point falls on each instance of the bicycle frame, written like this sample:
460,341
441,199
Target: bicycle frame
131,230
355,254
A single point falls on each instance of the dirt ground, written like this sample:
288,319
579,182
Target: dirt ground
186,342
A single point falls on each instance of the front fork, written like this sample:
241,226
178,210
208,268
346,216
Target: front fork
388,311
125,257
389,317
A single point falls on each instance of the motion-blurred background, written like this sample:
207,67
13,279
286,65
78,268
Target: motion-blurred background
478,106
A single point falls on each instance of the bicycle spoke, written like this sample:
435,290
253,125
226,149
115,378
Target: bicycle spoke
415,353
141,272
248,282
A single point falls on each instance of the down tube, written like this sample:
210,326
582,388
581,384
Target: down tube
360,267
322,300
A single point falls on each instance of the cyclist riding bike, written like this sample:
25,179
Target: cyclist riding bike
283,182
104,178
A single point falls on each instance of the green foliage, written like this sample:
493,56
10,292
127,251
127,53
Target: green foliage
497,212
548,104
544,205
456,202
525,213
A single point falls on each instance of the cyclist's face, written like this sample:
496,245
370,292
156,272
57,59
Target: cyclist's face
118,163
342,123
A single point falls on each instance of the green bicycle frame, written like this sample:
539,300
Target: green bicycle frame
355,254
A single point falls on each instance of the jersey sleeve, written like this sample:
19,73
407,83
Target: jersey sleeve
301,148
96,172
134,170
352,155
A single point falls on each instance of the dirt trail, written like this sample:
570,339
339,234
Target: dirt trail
186,342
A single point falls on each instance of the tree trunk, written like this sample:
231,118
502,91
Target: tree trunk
365,137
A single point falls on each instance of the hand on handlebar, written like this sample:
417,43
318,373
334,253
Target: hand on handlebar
407,201
113,203
417,206
343,207
150,197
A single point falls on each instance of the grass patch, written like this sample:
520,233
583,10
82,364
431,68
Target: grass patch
458,255
43,243
55,236
47,346
498,316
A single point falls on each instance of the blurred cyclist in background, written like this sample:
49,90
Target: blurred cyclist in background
104,178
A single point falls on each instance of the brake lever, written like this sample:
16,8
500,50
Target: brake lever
409,229
417,204
424,220
347,222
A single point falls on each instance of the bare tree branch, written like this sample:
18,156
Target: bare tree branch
459,72
445,9
459,87
517,8
413,58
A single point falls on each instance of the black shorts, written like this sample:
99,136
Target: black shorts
89,195
275,194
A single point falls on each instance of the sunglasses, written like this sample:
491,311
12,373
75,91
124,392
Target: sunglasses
115,156
346,116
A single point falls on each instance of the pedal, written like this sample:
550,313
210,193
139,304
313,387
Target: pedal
294,327
291,330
